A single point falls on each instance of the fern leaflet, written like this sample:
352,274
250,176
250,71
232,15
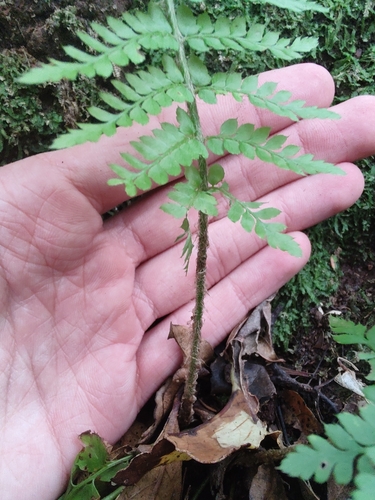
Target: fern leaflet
350,441
262,97
346,332
170,148
297,5
252,142
122,42
146,93
202,35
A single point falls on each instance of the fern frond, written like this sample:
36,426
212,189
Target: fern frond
365,484
264,96
188,247
347,332
252,216
187,195
122,42
350,448
170,148
253,143
349,451
202,35
146,93
297,5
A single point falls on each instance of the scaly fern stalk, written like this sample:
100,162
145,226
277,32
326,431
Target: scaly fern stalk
189,397
171,150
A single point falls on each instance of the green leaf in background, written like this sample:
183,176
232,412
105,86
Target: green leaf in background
297,5
348,452
347,332
94,454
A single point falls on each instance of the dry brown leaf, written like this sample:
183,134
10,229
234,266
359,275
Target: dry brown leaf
267,485
250,340
158,484
161,453
338,491
254,334
235,426
258,381
164,398
307,422
183,336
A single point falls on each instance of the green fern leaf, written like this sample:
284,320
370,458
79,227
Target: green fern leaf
215,174
78,55
251,216
121,44
165,152
86,132
365,484
199,72
187,22
320,461
146,93
297,5
177,211
354,426
50,73
346,332
92,43
263,96
348,451
227,34
257,142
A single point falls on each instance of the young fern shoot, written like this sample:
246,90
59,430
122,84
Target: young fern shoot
182,149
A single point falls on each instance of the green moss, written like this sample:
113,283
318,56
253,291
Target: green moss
31,117
24,121
65,19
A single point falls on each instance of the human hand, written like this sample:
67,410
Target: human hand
77,296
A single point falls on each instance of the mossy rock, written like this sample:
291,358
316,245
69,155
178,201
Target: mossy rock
32,31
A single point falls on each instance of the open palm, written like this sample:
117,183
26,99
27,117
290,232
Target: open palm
77,295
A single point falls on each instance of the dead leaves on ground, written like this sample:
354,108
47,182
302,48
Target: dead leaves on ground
241,424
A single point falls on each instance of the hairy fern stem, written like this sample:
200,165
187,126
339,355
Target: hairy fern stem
188,398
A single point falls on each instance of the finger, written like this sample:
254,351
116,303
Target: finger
87,165
303,203
150,231
226,304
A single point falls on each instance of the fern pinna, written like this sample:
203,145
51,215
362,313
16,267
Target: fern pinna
348,452
183,39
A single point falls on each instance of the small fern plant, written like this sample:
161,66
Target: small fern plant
348,452
183,39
